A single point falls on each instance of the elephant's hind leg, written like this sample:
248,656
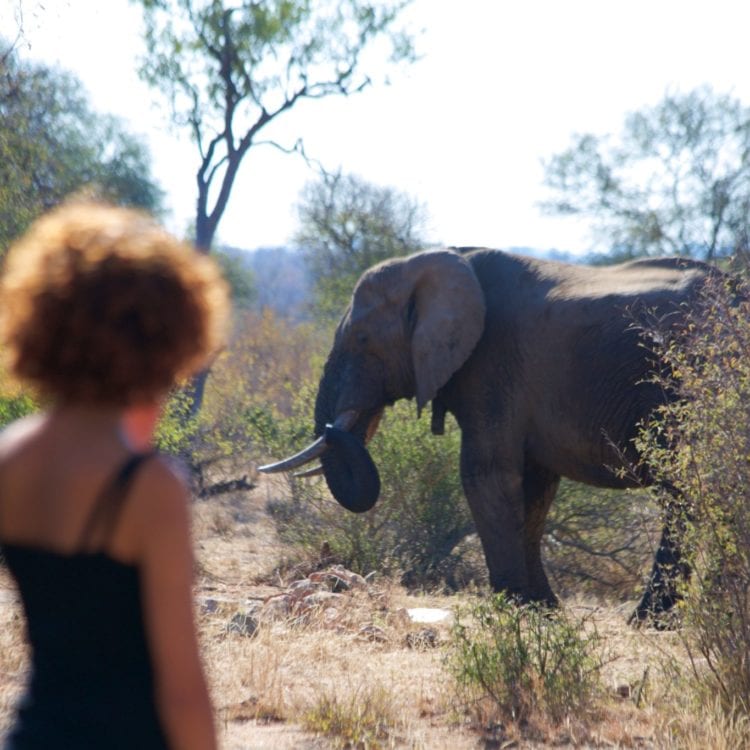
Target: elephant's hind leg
669,569
539,488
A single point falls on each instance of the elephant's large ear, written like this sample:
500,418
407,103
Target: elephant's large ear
449,310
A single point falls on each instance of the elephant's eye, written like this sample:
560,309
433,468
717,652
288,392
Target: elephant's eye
361,338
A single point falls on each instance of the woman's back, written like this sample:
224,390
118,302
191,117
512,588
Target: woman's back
103,313
91,682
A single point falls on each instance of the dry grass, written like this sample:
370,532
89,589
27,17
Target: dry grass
358,673
13,650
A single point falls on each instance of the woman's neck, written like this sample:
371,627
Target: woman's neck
84,420
139,423
86,417
133,426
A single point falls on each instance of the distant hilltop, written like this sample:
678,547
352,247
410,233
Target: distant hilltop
281,280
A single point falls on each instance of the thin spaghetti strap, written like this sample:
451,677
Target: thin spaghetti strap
107,506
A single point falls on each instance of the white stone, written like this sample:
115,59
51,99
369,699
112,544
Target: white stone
429,614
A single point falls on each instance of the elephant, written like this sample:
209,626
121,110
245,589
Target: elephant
545,368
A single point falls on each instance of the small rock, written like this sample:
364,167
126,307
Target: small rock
244,623
322,598
624,691
401,616
373,633
339,578
423,639
335,578
277,607
429,614
356,581
327,578
303,587
330,616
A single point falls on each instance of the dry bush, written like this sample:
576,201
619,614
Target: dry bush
267,360
600,542
699,446
250,388
704,725
363,718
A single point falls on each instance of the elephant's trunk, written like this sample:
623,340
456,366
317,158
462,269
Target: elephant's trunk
345,461
347,466
349,470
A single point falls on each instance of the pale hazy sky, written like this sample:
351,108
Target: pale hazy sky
500,86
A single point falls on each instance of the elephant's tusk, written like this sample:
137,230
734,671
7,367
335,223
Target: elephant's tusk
316,471
298,459
345,421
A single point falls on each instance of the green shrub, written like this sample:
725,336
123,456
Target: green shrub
423,514
516,663
199,440
220,444
15,406
700,445
176,429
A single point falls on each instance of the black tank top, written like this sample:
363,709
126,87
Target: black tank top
91,684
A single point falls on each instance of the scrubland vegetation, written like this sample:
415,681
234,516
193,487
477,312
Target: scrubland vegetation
354,670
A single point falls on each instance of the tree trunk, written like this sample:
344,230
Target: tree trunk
204,233
197,388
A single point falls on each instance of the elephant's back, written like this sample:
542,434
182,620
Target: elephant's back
654,282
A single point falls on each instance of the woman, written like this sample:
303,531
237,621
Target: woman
102,313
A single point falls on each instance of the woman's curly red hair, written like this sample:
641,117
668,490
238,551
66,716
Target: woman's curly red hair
101,305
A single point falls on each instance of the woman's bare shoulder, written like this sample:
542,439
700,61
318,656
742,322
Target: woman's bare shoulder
157,512
160,468
162,487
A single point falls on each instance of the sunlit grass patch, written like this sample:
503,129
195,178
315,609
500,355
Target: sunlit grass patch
366,718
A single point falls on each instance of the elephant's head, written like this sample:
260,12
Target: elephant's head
411,324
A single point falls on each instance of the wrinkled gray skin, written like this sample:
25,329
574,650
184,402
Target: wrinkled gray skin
541,363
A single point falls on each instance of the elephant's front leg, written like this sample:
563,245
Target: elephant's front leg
494,490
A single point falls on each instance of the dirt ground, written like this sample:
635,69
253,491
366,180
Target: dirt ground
360,648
